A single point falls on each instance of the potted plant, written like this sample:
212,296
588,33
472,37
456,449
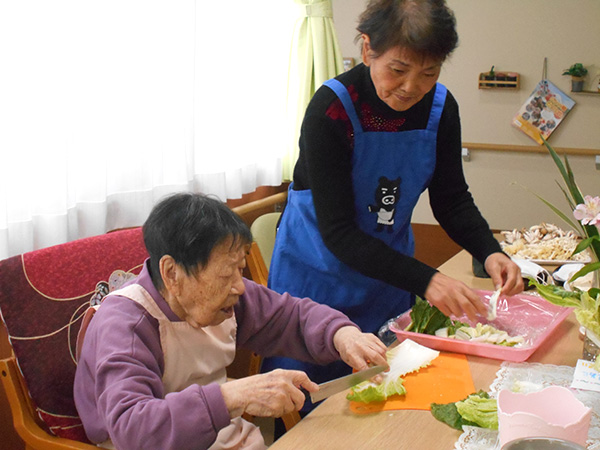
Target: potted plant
577,72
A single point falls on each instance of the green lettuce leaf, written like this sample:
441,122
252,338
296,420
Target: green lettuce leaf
448,414
557,295
476,410
482,411
406,357
367,392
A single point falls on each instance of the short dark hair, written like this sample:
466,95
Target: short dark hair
427,27
188,227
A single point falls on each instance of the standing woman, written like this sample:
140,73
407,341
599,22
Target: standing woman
372,140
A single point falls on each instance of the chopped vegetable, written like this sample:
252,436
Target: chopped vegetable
405,358
477,409
428,319
487,334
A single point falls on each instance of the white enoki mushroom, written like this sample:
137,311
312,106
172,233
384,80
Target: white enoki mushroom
542,242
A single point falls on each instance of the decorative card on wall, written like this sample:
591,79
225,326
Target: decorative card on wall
543,111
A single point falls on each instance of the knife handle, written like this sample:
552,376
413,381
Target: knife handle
306,394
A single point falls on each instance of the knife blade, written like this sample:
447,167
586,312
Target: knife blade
329,388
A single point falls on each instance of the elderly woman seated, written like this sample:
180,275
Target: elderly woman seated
151,374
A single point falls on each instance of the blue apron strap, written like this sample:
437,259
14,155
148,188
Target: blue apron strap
439,99
341,91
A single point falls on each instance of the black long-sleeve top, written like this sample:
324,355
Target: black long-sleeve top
324,166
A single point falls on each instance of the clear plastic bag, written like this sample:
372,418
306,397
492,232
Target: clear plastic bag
388,336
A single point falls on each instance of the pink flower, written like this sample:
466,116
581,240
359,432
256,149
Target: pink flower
588,213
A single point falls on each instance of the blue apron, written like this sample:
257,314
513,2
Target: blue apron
390,171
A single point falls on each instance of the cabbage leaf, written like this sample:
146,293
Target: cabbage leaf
477,410
367,392
482,411
405,358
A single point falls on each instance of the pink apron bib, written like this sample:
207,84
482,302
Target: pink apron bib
197,356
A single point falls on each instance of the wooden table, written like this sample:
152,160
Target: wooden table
332,426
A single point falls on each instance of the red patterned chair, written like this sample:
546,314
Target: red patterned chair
43,297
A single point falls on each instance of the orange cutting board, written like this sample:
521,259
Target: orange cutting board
448,379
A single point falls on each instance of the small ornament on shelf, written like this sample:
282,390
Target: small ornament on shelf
498,80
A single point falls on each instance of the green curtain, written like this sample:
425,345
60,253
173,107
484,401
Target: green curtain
315,57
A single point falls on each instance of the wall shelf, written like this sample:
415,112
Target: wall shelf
586,92
500,80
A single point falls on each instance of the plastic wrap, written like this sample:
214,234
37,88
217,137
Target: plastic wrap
529,316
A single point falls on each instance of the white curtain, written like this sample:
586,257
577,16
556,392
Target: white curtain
315,58
108,105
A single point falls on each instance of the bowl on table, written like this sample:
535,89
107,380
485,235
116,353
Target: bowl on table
539,443
553,412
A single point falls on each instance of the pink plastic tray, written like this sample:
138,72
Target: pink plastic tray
532,317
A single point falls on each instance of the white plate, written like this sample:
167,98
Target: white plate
559,262
552,262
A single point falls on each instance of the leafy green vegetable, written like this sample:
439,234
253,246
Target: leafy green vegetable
406,357
367,392
448,414
477,409
586,304
557,295
428,319
587,308
480,410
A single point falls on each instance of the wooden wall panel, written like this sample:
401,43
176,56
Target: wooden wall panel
432,244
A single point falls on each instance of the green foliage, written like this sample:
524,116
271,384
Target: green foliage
576,70
574,197
575,225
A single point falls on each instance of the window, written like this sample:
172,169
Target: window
106,106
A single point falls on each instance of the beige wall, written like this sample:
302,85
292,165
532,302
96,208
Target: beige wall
513,35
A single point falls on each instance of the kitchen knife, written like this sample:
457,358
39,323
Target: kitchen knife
329,388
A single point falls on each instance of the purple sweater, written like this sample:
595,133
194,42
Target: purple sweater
118,388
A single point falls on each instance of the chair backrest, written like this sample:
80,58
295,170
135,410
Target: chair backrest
264,229
25,420
256,265
265,234
43,297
